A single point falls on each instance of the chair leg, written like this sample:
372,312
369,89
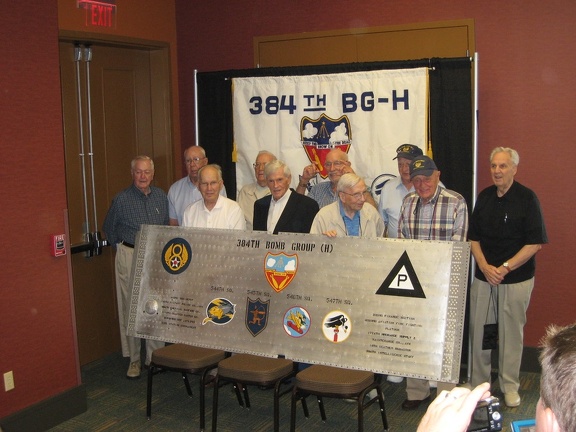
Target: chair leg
202,394
321,406
215,404
238,393
360,414
246,397
187,383
149,392
382,408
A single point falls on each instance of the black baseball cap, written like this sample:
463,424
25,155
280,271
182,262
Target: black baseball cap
408,151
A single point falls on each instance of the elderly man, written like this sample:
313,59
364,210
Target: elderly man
213,210
325,193
254,191
349,216
555,409
283,210
394,190
139,204
185,191
506,231
431,212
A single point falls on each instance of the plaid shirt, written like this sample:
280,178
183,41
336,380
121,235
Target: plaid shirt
130,209
322,194
444,217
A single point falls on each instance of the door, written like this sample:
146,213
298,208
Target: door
107,99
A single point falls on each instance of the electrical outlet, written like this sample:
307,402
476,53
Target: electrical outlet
8,381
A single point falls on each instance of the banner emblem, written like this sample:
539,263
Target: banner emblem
176,255
323,134
256,315
280,269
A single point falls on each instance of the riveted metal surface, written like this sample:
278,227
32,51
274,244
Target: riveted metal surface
385,305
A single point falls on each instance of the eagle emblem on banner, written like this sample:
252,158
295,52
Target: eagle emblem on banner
256,315
280,269
323,134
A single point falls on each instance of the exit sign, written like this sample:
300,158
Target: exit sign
99,13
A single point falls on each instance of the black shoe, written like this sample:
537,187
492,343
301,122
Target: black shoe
409,405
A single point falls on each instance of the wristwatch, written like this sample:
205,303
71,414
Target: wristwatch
507,266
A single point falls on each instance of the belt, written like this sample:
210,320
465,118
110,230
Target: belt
125,243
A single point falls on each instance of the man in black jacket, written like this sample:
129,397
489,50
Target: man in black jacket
284,210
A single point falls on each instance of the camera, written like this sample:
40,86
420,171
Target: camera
486,416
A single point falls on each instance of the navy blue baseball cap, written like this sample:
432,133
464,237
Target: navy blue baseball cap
408,151
422,165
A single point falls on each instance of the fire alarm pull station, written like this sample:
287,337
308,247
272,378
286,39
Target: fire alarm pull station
58,245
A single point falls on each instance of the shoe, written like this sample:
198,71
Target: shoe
512,399
395,379
409,405
372,394
133,370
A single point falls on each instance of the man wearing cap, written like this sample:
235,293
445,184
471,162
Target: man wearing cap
431,212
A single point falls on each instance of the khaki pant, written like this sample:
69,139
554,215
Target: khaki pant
513,300
130,345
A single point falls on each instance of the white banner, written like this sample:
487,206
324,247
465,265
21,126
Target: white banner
300,118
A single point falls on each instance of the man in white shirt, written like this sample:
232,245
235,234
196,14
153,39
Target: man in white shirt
213,210
185,191
254,191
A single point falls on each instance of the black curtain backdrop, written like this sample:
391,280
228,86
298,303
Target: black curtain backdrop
450,123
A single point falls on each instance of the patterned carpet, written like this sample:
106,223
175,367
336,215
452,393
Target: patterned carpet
118,404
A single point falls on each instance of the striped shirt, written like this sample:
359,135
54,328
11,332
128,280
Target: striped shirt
444,217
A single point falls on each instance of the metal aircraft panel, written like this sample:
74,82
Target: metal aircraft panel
386,305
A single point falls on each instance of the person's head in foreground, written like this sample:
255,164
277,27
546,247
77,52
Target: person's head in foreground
556,408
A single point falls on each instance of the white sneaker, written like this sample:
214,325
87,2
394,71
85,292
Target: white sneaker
372,394
395,379
133,370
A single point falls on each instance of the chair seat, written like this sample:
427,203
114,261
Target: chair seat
333,380
187,357
251,368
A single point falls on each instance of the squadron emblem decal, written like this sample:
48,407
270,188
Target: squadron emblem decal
280,269
323,134
296,321
176,256
220,311
337,326
256,315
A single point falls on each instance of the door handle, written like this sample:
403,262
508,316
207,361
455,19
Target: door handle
92,247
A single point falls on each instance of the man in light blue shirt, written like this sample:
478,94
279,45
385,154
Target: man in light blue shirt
185,191
394,190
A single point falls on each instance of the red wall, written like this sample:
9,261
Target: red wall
37,339
526,96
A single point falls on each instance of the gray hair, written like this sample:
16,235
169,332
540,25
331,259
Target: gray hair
276,165
141,158
348,181
514,156
342,155
214,167
202,151
266,152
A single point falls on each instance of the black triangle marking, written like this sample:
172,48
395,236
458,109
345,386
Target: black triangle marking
396,278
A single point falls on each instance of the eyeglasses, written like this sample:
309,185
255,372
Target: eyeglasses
195,160
357,195
259,164
337,164
417,180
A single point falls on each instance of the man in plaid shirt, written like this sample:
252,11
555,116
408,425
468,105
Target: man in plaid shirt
431,212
